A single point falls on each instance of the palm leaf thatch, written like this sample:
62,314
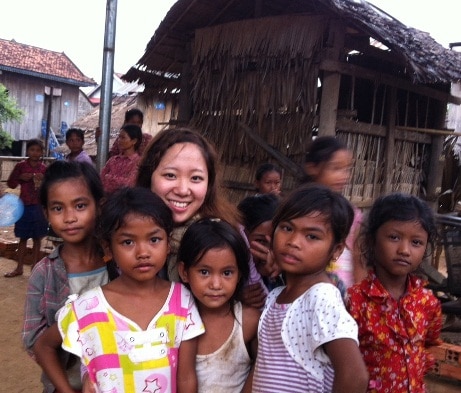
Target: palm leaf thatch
262,73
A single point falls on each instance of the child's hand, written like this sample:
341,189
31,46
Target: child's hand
88,386
254,295
264,259
26,176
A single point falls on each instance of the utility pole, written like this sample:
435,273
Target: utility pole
106,83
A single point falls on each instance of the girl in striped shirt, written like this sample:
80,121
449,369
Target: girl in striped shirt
307,342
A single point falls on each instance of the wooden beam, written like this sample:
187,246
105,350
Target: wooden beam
331,81
389,152
365,73
436,164
284,161
410,134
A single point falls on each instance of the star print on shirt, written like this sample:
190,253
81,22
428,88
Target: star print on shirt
189,321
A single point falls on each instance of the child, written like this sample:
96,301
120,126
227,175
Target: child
257,212
307,342
70,195
268,179
214,264
398,318
328,162
75,140
121,170
137,333
28,174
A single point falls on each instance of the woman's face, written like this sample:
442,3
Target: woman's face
181,180
125,143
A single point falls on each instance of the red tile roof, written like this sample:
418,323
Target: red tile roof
22,58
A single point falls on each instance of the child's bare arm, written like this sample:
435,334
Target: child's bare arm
351,375
186,376
45,351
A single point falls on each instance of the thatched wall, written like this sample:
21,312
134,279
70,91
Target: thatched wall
261,73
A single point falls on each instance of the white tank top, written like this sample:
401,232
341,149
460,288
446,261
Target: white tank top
226,369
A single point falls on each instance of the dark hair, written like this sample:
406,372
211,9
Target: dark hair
132,200
396,207
34,142
265,168
214,205
130,113
77,132
62,170
258,209
315,198
208,234
134,132
321,150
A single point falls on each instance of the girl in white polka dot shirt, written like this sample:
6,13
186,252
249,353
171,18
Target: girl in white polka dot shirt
307,342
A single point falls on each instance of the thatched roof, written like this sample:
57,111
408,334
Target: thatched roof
424,60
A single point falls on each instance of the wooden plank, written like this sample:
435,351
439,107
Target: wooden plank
284,161
409,134
365,73
390,140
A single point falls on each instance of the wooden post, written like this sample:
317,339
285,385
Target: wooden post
184,102
331,82
389,168
437,162
48,124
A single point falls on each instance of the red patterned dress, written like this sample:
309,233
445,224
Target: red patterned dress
394,334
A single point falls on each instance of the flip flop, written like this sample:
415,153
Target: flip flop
14,273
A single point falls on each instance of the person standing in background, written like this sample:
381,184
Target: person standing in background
268,179
121,170
329,162
32,225
75,140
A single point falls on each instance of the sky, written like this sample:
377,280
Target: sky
76,27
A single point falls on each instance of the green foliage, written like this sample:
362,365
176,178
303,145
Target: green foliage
8,111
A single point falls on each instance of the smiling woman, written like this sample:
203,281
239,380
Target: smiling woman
181,166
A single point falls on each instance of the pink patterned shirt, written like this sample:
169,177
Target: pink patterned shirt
120,171
118,354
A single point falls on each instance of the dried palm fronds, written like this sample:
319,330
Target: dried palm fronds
261,73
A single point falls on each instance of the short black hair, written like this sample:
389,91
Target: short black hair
311,198
63,170
77,132
396,207
257,209
130,113
34,142
265,168
213,233
132,200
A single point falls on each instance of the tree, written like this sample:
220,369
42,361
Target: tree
8,111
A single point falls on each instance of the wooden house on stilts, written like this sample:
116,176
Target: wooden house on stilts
260,78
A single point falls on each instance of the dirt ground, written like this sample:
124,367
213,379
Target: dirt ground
19,373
